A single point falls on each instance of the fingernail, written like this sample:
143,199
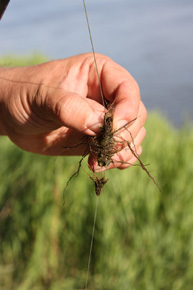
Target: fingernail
98,168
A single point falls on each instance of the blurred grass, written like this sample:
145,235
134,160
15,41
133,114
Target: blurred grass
9,60
143,238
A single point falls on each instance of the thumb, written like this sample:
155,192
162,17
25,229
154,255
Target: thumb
73,111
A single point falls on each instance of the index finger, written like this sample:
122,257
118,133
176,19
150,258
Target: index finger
121,89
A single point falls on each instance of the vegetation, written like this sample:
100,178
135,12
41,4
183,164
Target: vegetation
143,237
10,60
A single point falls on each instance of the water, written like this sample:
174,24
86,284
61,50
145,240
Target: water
152,39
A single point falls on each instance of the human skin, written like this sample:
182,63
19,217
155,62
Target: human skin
48,107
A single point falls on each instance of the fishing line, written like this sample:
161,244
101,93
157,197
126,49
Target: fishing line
104,104
93,51
91,244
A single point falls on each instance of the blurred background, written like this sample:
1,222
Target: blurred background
153,40
143,237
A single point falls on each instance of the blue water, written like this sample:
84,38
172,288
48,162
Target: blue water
152,39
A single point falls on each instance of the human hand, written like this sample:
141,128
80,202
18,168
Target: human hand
49,107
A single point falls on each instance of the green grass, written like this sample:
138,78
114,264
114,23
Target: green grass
143,237
9,60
